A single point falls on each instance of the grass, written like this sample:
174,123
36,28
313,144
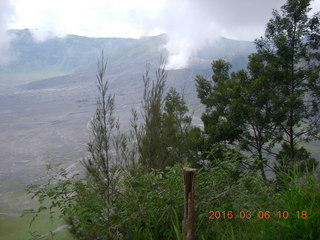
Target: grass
247,193
16,201
17,228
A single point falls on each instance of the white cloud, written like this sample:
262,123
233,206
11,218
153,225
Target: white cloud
192,24
315,5
94,18
6,16
189,23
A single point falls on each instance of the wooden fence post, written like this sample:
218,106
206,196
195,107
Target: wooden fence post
188,219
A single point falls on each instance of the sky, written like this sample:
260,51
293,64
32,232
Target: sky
189,24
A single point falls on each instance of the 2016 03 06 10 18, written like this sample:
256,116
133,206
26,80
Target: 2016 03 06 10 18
263,214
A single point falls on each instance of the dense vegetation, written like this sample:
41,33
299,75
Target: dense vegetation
133,188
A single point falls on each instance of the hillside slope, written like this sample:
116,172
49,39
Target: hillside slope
52,94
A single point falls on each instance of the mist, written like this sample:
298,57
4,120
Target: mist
189,24
6,16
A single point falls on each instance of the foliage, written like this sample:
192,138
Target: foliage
149,205
301,198
102,125
165,135
151,198
303,161
149,133
240,108
276,99
291,45
95,197
177,129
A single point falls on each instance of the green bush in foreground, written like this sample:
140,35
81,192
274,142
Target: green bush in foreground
150,206
301,199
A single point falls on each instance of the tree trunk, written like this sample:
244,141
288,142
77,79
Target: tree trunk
261,165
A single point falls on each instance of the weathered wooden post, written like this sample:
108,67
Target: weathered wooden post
188,219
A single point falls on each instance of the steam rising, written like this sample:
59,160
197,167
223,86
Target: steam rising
189,29
192,24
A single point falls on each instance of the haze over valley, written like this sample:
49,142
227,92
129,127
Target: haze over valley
48,94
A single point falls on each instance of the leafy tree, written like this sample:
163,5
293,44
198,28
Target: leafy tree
216,103
104,139
149,133
278,97
176,125
164,137
291,45
261,112
240,107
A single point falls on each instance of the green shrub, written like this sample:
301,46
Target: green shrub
301,199
149,205
285,163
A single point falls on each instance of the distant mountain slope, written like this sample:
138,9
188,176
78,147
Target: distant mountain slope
55,56
75,54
